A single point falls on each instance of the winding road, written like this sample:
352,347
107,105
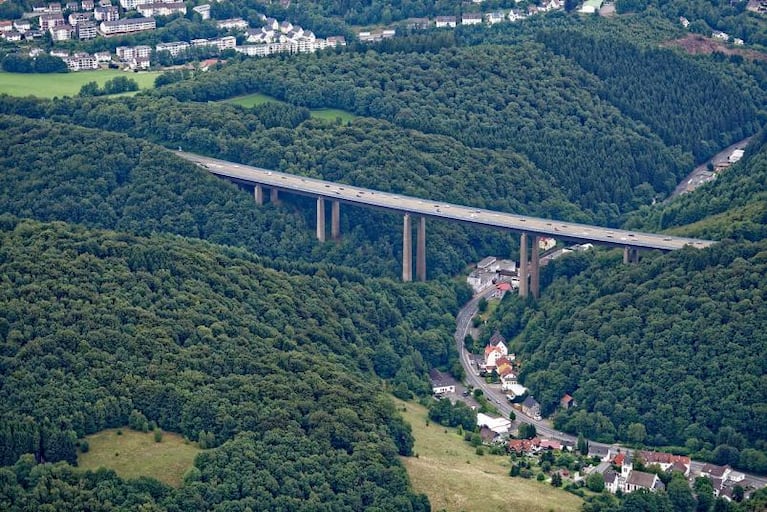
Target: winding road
463,321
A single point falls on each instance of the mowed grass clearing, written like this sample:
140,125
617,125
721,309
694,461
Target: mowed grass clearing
328,114
455,478
134,454
49,85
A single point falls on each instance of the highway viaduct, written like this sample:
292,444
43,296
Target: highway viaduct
529,228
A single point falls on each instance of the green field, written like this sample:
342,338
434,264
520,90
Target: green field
65,84
135,454
455,478
328,114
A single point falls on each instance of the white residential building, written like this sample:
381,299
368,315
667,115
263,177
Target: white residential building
232,24
108,13
445,21
203,10
61,33
162,9
127,26
173,48
81,62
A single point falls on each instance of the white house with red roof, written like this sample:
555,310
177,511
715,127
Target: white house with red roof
495,348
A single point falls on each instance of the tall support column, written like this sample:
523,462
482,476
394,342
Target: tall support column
630,255
523,265
258,193
274,196
335,220
407,250
320,219
535,264
420,254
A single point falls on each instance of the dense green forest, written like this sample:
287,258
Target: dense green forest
675,343
733,206
144,189
206,341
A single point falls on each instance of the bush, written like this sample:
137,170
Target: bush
84,446
480,450
157,435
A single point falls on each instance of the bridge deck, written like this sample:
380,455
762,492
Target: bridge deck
570,231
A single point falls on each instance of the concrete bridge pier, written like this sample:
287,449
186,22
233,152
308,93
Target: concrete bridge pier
258,193
420,255
630,255
320,219
335,220
523,265
407,250
535,268
274,196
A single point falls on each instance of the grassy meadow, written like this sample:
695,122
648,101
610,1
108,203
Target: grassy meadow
328,114
133,454
65,84
448,470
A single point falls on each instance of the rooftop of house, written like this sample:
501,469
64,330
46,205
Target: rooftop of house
439,379
497,338
663,458
530,402
714,470
642,479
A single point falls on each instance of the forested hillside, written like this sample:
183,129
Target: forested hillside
104,180
669,351
733,206
563,98
506,98
205,341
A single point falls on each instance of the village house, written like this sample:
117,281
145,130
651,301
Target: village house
474,18
666,461
6,26
495,348
506,373
531,408
723,478
22,25
441,383
12,36
87,5
445,21
494,17
566,402
417,23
